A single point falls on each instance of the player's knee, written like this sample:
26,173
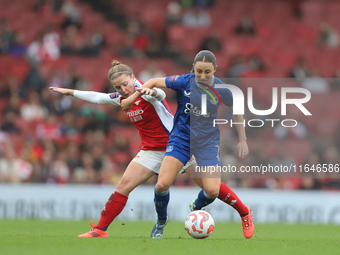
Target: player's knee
212,191
124,186
162,186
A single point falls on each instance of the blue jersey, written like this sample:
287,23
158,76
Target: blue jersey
191,127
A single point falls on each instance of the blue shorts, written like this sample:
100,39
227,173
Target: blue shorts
207,156
182,153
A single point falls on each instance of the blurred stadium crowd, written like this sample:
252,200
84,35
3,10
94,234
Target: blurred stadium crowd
49,138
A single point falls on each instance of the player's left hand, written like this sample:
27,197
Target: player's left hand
125,104
242,148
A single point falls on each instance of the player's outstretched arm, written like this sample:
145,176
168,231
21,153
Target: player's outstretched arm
88,96
156,82
66,92
242,146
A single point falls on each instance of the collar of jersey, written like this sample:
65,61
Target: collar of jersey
202,86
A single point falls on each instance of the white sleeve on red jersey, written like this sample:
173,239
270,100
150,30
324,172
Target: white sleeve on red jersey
97,97
160,93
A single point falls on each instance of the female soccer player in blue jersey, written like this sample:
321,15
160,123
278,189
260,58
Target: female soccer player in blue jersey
193,134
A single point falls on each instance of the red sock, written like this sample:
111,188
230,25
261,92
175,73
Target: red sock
111,210
229,197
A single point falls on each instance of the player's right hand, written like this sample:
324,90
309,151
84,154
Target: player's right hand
126,104
67,92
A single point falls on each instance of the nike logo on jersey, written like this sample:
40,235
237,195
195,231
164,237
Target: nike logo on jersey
186,94
137,102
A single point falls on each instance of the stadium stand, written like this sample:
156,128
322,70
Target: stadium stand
280,39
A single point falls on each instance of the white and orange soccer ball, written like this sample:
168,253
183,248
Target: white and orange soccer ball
199,224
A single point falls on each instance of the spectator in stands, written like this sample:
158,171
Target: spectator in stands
97,38
56,78
245,26
18,47
315,83
59,170
45,46
33,81
73,154
154,49
255,63
85,173
8,124
331,156
14,169
335,82
237,67
297,132
310,180
68,126
136,40
203,3
328,36
300,70
71,42
74,80
41,168
51,42
196,18
72,15
211,42
337,138
35,51
48,128
151,71
61,104
93,43
173,13
88,48
6,35
46,6
13,105
101,161
127,49
32,110
296,7
11,88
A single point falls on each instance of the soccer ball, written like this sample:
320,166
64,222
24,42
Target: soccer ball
199,224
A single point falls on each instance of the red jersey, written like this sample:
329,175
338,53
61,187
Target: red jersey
152,118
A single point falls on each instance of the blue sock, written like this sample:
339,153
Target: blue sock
203,199
161,202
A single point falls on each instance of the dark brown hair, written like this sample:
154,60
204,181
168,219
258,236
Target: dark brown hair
205,56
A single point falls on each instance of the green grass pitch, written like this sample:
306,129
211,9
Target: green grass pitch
60,237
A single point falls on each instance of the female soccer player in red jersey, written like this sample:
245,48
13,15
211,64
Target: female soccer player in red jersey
152,117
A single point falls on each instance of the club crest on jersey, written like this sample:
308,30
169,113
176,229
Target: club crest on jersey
213,100
137,102
169,148
114,95
173,78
